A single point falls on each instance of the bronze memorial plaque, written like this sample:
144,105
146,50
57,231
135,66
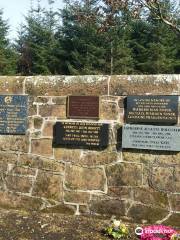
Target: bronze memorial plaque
152,109
13,114
83,107
83,134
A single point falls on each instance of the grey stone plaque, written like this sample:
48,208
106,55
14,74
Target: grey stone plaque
13,114
166,138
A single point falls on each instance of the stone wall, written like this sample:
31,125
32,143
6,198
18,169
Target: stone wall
138,185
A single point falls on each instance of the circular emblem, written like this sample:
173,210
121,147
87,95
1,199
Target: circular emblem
8,99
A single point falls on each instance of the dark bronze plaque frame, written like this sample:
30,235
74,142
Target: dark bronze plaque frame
59,132
72,113
171,102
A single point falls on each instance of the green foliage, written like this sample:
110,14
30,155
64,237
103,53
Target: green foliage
74,41
117,230
8,55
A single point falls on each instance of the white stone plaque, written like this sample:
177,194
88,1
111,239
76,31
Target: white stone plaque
165,138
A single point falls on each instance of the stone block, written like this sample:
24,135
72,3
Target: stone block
38,121
18,183
47,130
173,220
140,213
92,158
23,171
144,84
32,106
33,161
108,207
14,201
124,174
175,202
67,155
66,85
11,85
76,197
177,179
58,111
150,197
136,155
120,192
48,186
84,178
61,209
42,99
14,143
109,110
59,100
42,147
162,179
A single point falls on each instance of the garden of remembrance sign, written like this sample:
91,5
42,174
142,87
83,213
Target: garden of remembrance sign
151,137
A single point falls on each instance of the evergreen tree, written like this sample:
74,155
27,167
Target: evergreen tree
7,54
80,48
36,42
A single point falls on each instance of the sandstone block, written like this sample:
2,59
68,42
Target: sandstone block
13,143
175,202
144,84
162,178
58,111
150,197
33,161
18,183
173,220
109,110
42,147
48,185
124,174
48,129
76,197
139,213
14,201
83,178
38,122
11,85
120,192
108,207
67,155
64,85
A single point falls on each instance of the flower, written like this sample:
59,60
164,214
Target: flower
116,223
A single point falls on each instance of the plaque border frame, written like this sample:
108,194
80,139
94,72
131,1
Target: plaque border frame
82,117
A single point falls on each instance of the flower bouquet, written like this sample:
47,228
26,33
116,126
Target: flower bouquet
117,230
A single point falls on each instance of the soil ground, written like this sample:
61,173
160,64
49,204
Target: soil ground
21,225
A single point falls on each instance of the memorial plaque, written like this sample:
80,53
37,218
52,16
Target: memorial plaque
152,109
166,138
13,114
84,134
83,107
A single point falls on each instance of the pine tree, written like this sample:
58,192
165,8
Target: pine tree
80,48
36,42
7,54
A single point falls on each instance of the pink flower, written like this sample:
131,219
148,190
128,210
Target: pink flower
157,232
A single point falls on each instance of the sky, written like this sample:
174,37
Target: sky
14,11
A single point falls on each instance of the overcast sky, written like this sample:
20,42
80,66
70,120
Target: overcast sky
15,9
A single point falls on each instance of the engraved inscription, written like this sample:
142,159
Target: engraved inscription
81,134
151,137
154,109
13,114
83,107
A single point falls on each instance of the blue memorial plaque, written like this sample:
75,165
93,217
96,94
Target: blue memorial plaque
13,114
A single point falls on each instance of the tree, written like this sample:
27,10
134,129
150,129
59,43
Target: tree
7,54
80,50
36,42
